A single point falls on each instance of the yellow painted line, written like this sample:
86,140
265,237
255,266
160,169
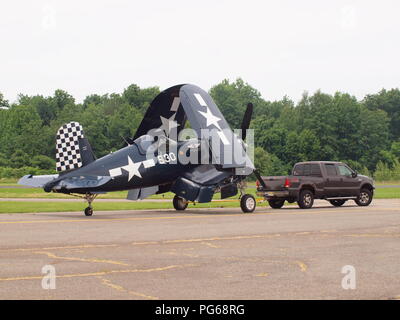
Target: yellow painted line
204,240
84,246
210,245
52,255
111,219
122,289
262,274
373,235
102,273
302,265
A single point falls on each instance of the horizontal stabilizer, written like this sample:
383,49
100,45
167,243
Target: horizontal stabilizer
79,182
36,181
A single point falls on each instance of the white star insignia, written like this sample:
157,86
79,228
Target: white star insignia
168,124
132,168
211,119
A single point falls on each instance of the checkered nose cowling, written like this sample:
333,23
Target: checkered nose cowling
68,155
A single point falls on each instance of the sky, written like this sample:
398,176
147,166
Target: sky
278,47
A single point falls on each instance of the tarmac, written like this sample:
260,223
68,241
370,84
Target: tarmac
326,252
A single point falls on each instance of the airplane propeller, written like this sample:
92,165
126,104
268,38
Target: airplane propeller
246,120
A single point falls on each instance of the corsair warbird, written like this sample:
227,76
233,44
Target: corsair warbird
193,161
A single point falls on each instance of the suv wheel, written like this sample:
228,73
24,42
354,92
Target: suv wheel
337,203
276,204
306,199
365,198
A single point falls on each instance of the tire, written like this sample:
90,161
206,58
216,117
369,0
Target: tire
306,199
88,211
276,204
179,203
365,198
337,203
248,203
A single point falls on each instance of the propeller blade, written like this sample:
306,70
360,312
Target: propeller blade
246,120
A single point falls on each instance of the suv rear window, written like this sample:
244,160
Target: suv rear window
307,169
298,170
330,170
316,170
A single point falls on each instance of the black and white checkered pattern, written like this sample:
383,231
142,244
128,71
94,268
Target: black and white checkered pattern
68,155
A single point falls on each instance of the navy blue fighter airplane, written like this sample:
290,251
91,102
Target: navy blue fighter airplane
193,160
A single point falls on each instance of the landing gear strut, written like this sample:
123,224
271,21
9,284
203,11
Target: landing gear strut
89,197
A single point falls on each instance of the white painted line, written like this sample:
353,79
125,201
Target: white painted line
115,172
200,99
224,140
149,163
175,104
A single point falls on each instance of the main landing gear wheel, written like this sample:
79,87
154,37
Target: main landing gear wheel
179,203
248,203
88,211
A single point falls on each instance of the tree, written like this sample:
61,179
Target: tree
374,136
19,159
140,98
388,101
21,130
3,102
45,107
318,113
268,164
123,124
395,149
62,98
232,99
303,147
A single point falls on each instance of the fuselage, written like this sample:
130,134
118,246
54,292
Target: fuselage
130,168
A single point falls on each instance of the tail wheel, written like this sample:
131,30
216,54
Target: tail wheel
248,203
337,203
365,198
306,199
179,203
276,204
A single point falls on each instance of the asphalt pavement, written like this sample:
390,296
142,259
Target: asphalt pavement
321,253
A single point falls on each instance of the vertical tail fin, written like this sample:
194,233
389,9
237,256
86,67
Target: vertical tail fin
72,148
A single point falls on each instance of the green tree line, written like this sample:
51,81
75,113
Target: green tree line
365,134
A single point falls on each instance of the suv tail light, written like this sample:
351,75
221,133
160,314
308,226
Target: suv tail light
257,183
287,183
